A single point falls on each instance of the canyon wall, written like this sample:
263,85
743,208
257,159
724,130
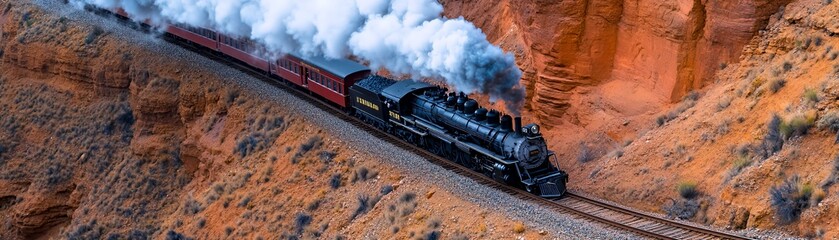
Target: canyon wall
638,55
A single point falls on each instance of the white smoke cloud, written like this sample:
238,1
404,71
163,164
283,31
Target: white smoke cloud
403,36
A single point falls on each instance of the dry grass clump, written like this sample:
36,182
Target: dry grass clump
811,95
798,125
585,154
261,135
313,143
687,190
518,227
362,173
687,206
398,213
776,85
830,121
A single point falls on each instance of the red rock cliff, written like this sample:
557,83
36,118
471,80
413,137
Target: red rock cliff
636,54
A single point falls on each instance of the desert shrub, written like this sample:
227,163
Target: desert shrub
363,174
335,181
617,152
58,173
834,55
818,41
742,162
789,199
191,207
172,235
202,222
362,207
773,141
314,205
687,190
585,154
247,145
245,201
787,66
312,143
326,156
830,122
755,84
777,84
93,34
2,150
811,95
661,120
386,189
834,174
691,96
228,230
682,209
226,202
231,97
723,104
799,125
724,127
301,221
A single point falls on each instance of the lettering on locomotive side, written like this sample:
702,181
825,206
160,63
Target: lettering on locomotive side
366,103
395,115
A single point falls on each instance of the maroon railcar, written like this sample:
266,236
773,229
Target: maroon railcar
201,36
289,68
331,78
243,50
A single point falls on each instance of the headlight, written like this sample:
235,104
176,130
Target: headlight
534,129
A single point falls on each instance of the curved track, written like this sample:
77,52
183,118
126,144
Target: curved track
612,215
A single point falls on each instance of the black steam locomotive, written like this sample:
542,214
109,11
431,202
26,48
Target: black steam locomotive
455,127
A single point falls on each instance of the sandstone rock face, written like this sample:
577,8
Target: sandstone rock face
632,53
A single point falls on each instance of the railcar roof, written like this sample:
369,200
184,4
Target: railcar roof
402,88
338,67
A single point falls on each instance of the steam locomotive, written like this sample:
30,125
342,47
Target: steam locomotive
447,124
454,126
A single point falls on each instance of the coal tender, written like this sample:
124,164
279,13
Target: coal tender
455,127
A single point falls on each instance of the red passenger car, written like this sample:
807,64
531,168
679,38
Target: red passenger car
244,50
332,78
201,36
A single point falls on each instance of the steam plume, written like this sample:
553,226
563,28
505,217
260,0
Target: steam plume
403,36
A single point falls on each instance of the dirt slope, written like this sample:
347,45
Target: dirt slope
101,139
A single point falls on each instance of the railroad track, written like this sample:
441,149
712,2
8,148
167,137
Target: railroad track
612,215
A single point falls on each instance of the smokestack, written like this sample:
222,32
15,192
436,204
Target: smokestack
518,125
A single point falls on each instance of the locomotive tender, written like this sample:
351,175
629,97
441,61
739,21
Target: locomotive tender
447,124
